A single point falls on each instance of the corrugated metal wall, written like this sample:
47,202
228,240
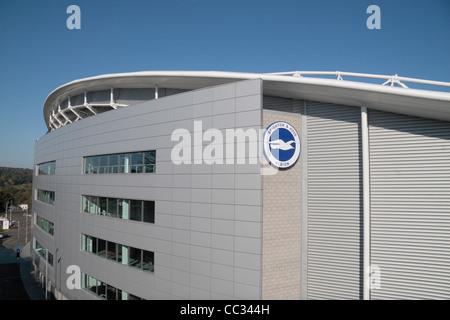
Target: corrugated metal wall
334,257
410,206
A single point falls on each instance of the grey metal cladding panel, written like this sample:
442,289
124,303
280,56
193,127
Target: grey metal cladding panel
177,202
410,206
334,205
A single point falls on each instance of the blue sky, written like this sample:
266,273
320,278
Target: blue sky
38,53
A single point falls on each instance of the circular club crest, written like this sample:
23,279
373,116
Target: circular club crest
281,145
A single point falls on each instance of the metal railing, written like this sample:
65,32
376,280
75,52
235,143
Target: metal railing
390,80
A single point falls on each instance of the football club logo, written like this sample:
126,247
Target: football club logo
281,145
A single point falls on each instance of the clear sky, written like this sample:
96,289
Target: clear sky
38,53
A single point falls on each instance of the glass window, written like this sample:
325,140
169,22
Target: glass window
147,261
136,210
149,211
103,166
102,202
112,207
149,161
101,289
124,209
114,163
90,204
90,244
52,167
111,293
101,247
47,168
46,196
45,225
91,165
136,162
135,258
132,297
50,258
104,290
111,252
124,163
90,283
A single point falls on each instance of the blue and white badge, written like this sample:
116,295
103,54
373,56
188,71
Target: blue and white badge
281,145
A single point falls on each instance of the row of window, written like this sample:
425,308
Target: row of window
131,162
45,225
43,252
135,162
137,210
46,168
45,196
91,284
126,255
104,290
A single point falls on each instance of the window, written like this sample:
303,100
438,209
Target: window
136,210
90,165
114,163
111,293
46,196
104,164
147,260
135,162
89,244
101,248
90,204
135,258
112,208
149,161
45,225
149,212
101,289
104,290
43,253
102,206
111,251
46,168
125,255
124,163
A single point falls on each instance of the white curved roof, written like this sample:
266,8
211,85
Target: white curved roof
423,103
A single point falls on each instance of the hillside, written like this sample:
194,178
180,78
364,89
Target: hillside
15,185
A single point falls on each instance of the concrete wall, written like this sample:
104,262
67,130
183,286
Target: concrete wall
281,223
207,235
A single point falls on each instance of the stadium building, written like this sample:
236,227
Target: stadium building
147,185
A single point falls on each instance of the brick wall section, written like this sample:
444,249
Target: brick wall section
281,224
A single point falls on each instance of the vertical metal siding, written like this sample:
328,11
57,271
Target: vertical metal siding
282,104
410,206
334,258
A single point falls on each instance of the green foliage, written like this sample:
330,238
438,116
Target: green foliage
15,176
15,186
